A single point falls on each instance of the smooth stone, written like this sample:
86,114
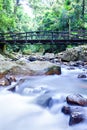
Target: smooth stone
76,99
45,100
76,117
32,59
66,110
82,76
53,70
76,114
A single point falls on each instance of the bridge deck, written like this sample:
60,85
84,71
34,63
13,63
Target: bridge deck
44,37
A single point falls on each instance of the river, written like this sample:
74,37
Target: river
18,111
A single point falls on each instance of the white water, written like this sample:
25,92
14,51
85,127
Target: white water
19,112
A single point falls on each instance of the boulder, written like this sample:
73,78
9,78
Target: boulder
53,70
66,110
32,58
74,54
44,67
5,66
76,99
76,117
28,68
81,76
69,55
77,63
20,70
76,114
49,56
6,80
44,100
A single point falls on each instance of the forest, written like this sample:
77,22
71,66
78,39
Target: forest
29,15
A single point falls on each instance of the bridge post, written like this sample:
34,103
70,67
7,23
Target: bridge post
52,41
26,37
52,36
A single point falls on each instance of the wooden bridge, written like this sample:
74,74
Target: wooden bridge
44,37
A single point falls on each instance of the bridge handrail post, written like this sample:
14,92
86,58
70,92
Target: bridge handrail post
26,36
52,36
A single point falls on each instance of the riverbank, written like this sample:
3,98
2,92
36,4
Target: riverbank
16,64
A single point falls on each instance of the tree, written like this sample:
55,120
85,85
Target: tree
7,19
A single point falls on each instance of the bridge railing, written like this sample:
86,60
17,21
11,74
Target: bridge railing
44,35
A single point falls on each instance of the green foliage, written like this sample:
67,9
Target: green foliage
47,15
6,15
69,46
66,17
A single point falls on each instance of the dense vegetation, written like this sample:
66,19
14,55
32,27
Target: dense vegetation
57,15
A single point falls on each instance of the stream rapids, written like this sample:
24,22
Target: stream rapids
19,111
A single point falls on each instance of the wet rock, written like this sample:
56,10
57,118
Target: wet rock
45,100
53,70
66,110
12,88
76,117
5,82
18,87
71,68
76,63
76,99
12,78
32,58
81,76
77,114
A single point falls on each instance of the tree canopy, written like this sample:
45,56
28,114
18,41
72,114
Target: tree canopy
45,15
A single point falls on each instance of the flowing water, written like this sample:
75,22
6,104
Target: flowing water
18,111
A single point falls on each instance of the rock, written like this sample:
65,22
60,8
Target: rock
31,58
76,117
76,99
77,114
66,110
53,70
81,76
69,55
71,68
12,88
8,67
44,67
5,82
22,61
77,63
45,100
2,75
49,56
20,70
74,54
5,66
15,87
12,78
